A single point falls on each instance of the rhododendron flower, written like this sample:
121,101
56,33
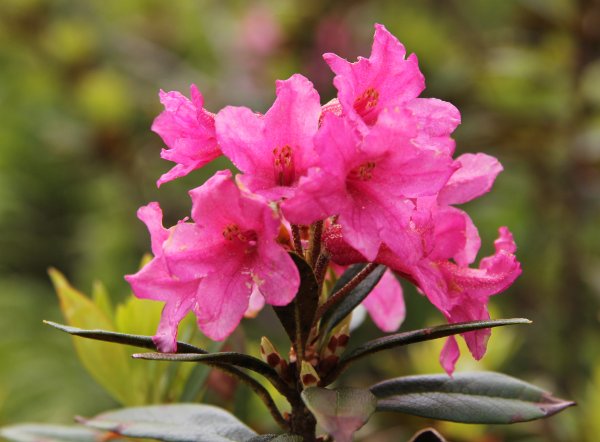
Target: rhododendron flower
461,293
273,150
156,280
385,79
188,130
368,181
229,254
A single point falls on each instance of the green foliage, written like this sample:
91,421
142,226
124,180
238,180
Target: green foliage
49,433
174,423
475,398
125,379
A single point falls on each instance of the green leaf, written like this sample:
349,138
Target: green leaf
176,423
197,378
297,317
425,334
49,433
224,358
108,365
340,311
474,398
122,338
340,411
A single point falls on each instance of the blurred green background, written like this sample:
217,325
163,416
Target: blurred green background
78,93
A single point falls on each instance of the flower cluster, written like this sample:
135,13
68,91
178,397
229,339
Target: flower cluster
371,171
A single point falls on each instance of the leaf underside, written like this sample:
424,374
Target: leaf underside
477,398
174,423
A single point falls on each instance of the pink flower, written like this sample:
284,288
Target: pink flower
461,293
383,80
475,177
188,130
368,181
156,280
217,265
237,239
273,150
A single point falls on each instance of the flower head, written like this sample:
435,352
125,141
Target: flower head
188,130
370,85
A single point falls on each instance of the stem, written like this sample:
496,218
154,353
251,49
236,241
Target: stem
297,240
303,422
314,249
260,391
321,268
341,293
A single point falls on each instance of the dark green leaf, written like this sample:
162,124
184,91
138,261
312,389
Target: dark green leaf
176,423
425,334
428,435
49,433
197,378
227,358
338,312
340,411
122,338
476,398
301,311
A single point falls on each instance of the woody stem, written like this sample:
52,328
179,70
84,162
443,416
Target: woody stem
297,240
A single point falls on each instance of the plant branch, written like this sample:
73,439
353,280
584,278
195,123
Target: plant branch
335,298
414,336
297,240
229,358
314,249
260,391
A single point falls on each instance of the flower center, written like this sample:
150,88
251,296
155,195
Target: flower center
366,102
283,165
364,172
232,232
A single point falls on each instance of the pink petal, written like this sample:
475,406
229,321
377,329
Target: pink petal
275,150
449,355
152,216
223,298
274,274
385,303
474,178
189,132
154,281
368,86
173,313
255,304
436,120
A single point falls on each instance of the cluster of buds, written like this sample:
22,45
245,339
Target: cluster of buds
368,177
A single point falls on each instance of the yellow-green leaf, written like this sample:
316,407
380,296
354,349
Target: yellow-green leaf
108,364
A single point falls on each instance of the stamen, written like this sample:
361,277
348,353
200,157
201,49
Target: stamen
364,172
366,102
283,165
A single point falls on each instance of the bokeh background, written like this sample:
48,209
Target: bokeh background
78,93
